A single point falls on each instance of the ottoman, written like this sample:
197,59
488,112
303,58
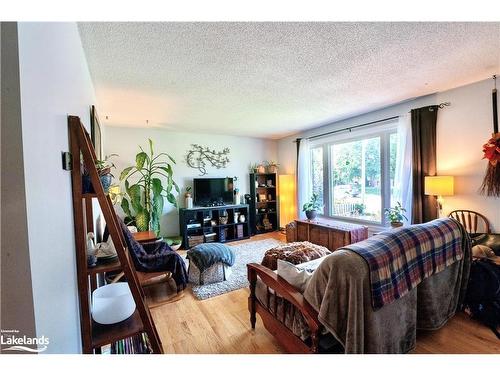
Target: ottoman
209,263
294,252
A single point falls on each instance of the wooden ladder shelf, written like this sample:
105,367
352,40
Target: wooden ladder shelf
95,335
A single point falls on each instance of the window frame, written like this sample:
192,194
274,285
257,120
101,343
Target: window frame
383,131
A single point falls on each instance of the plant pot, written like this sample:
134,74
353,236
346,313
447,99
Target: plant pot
396,224
272,169
106,180
86,184
261,169
87,187
311,215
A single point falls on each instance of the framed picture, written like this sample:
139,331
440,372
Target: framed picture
262,197
95,132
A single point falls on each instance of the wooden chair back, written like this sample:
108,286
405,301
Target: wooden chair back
473,221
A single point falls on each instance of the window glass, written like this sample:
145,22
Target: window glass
317,174
356,179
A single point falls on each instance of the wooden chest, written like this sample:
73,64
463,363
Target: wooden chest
326,232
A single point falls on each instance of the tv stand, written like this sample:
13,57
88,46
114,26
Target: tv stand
213,224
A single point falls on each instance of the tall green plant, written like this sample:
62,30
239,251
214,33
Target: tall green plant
147,193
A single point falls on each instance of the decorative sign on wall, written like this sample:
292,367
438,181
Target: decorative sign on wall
200,157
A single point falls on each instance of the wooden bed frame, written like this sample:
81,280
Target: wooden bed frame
283,334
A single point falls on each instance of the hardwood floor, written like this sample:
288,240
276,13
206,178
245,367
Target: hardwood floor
221,325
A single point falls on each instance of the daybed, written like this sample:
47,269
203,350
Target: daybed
337,302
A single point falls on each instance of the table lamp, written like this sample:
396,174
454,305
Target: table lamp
439,186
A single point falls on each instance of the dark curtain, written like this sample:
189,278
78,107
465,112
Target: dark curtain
423,130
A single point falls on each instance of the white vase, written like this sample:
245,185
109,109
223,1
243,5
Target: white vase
237,198
189,202
241,218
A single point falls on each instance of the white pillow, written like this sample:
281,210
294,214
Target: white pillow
298,274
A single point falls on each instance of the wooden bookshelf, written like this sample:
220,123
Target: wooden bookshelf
95,335
264,205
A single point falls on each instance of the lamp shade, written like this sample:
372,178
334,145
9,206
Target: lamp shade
439,185
287,198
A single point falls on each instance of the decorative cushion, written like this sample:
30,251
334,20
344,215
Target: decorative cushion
298,275
294,252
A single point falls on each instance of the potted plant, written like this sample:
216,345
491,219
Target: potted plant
272,166
104,172
261,168
145,193
395,215
174,242
311,208
254,167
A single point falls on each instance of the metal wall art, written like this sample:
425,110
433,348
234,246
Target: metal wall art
200,157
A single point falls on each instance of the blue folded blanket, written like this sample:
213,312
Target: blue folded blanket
207,254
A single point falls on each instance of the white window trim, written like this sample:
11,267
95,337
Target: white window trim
383,131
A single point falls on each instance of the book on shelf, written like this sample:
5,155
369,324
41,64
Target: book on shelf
138,344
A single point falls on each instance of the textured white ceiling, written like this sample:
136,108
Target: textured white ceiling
274,79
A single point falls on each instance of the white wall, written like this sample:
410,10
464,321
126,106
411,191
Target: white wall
16,307
462,129
243,152
55,82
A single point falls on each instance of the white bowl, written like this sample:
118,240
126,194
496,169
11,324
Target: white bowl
176,247
112,303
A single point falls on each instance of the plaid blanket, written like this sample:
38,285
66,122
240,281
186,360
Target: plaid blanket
398,260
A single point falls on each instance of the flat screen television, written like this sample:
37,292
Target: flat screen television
212,191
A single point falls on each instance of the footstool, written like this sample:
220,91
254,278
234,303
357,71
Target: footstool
293,252
210,263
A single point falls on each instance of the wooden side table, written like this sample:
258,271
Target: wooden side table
147,236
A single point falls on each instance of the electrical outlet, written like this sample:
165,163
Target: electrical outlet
67,160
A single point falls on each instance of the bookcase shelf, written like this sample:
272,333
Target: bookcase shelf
104,334
95,335
264,208
233,230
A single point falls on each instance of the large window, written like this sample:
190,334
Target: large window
354,175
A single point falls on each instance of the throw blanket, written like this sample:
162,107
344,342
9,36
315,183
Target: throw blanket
400,259
340,291
206,255
155,257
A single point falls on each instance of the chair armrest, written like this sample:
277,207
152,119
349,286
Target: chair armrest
286,291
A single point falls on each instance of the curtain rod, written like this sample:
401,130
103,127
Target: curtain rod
440,105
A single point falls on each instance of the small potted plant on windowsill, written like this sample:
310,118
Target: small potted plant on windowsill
395,215
311,208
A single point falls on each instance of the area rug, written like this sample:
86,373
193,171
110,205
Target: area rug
250,252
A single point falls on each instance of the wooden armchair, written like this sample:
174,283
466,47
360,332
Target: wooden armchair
470,220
